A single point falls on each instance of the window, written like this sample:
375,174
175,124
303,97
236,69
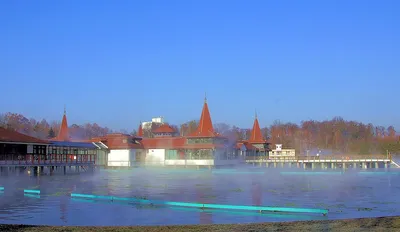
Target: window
200,140
171,154
200,154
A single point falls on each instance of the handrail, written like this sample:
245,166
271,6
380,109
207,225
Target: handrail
30,162
342,157
30,159
332,157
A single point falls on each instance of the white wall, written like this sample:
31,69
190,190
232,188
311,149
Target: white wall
228,162
190,162
283,153
203,162
121,158
155,157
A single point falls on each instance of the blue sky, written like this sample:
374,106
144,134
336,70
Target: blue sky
119,62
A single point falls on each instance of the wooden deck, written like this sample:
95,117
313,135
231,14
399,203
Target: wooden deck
344,161
24,163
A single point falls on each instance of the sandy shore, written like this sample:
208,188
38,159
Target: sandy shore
363,224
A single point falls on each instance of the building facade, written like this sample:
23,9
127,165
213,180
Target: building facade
256,146
204,147
164,147
280,153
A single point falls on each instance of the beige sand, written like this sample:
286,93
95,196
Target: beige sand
363,224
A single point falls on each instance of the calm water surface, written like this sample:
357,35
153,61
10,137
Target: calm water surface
346,195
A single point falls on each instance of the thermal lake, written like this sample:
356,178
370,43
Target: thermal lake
350,194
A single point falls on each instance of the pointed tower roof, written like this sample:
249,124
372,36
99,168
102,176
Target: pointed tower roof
205,127
140,130
63,134
256,135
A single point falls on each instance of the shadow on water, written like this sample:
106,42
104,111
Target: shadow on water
349,194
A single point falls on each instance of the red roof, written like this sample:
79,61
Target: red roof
165,128
63,134
205,127
175,143
165,142
248,146
16,137
256,135
120,141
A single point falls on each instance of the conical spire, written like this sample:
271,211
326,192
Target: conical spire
205,127
256,135
63,134
140,130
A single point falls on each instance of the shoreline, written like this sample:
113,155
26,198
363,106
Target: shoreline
391,223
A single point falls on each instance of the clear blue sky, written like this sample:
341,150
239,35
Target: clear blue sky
119,62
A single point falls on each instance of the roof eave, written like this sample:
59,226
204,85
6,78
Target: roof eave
26,143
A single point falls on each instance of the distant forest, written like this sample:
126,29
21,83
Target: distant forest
338,135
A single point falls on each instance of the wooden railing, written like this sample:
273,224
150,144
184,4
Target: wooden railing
344,157
47,159
332,157
42,162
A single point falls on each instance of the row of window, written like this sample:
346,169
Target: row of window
46,157
199,155
74,151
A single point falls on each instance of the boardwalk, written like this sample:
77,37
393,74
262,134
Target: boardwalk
336,161
42,166
19,163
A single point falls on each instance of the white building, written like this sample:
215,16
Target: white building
280,153
121,148
156,120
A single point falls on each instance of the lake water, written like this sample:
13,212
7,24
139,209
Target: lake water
354,193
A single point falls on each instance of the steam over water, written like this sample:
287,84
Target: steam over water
346,195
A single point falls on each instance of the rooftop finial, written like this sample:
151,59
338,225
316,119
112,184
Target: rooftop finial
205,97
255,113
65,110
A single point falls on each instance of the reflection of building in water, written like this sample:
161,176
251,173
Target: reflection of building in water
256,194
63,209
205,217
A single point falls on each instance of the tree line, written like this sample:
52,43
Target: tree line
46,130
337,134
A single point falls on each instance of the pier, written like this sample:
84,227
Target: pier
47,166
326,162
20,153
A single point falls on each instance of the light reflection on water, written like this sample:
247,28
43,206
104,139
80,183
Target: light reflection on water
346,195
